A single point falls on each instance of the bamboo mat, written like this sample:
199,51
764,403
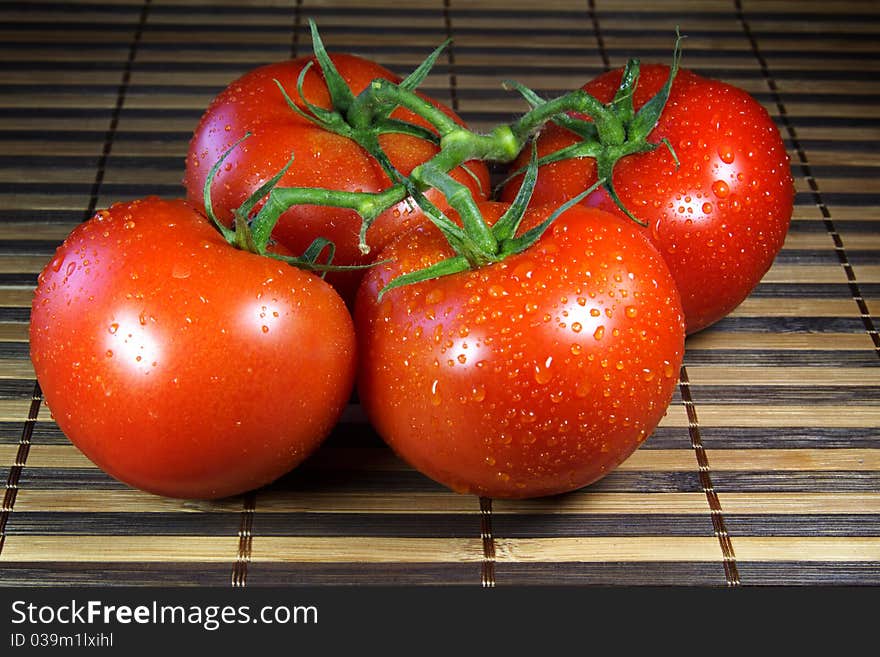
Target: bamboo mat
766,469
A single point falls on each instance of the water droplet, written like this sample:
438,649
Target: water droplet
631,311
71,267
478,393
264,328
142,319
594,312
576,349
436,398
647,374
726,154
128,224
109,353
180,270
113,328
530,308
577,327
668,370
435,296
599,333
543,374
720,188
496,291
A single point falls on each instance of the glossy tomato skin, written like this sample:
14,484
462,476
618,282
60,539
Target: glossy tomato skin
721,217
254,104
530,377
176,363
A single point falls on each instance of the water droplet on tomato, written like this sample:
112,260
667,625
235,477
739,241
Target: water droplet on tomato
707,208
128,225
599,333
71,267
576,349
631,311
113,328
478,393
180,271
264,328
726,154
109,353
436,398
720,188
577,327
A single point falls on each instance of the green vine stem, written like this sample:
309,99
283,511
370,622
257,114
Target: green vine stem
611,131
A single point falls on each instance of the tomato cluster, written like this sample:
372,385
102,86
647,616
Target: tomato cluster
514,348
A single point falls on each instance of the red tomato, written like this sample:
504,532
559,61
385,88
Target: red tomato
322,159
721,217
532,376
176,362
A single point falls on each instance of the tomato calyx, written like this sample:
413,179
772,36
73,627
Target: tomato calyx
363,118
614,130
476,243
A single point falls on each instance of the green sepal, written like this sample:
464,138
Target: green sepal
647,117
530,237
292,104
340,93
228,235
414,79
623,99
258,230
396,126
453,265
505,228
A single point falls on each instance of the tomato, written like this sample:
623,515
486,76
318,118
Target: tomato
720,217
254,104
532,376
176,363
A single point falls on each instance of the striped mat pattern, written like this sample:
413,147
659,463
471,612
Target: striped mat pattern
766,469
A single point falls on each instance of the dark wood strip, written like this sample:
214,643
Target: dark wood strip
794,358
791,438
100,523
706,482
14,475
653,573
749,394
803,525
27,574
809,481
524,525
821,200
794,573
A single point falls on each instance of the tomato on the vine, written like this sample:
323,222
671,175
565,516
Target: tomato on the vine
176,362
254,104
720,215
531,376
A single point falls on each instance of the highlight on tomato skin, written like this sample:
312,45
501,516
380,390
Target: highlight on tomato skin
533,376
180,365
254,104
719,216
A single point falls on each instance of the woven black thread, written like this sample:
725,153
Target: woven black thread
121,92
